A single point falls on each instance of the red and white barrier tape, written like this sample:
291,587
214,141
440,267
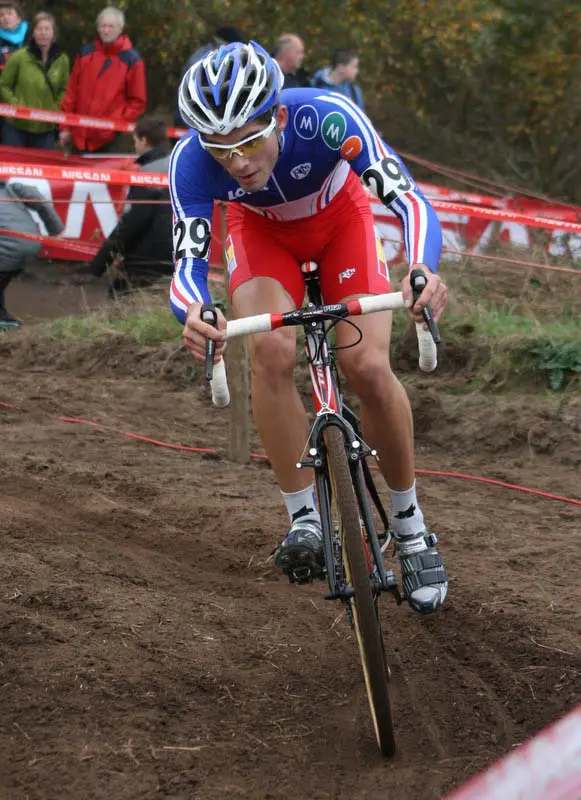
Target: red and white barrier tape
52,172
547,767
129,178
75,120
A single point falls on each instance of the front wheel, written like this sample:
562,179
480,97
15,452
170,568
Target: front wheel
365,618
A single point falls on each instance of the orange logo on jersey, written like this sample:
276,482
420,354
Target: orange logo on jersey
351,148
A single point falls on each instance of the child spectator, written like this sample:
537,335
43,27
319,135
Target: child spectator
35,76
340,76
15,216
13,29
108,81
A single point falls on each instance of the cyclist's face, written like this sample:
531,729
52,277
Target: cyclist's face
253,170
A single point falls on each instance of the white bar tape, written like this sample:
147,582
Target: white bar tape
427,348
246,325
381,302
219,385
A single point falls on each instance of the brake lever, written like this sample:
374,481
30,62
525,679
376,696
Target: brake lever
418,283
209,314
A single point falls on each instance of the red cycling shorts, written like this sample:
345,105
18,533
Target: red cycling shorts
340,238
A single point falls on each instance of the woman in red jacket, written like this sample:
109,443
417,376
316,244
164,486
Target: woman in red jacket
108,81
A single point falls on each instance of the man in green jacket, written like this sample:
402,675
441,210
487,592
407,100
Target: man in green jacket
35,76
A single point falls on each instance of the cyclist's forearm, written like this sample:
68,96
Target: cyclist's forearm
422,230
189,285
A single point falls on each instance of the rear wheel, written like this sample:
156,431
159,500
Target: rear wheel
365,618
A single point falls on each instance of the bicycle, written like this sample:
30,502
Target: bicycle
354,549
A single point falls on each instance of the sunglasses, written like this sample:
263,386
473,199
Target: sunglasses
245,147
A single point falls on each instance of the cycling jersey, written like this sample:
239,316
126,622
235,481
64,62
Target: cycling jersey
326,135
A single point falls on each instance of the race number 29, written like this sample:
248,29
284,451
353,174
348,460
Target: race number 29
191,238
387,179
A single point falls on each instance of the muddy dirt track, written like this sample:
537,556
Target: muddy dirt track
149,650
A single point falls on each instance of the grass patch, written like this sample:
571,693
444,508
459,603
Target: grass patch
501,341
146,327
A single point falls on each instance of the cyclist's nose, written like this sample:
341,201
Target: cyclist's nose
239,163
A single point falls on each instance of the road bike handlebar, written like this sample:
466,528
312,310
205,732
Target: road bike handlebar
263,323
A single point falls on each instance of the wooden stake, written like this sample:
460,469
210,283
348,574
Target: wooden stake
237,371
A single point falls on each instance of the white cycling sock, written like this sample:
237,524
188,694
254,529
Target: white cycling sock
302,505
406,516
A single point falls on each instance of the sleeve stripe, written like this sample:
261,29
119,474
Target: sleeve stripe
172,175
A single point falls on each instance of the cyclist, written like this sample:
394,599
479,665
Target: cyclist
290,164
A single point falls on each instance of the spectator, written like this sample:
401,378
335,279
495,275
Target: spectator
13,29
340,76
15,216
35,76
226,34
139,249
289,51
108,81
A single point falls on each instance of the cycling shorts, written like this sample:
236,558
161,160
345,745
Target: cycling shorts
340,238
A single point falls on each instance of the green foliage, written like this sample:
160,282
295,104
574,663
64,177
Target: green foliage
559,361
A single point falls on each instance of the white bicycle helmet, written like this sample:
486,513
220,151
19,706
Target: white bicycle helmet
229,87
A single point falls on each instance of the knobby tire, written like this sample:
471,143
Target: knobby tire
365,616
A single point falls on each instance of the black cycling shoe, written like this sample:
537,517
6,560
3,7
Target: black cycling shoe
425,581
300,555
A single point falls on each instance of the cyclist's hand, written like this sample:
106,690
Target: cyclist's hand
434,294
196,332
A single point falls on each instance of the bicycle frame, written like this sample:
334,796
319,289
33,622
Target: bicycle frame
330,410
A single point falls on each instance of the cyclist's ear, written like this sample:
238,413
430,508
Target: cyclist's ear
281,116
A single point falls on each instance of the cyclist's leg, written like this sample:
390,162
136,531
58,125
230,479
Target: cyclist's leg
265,278
385,410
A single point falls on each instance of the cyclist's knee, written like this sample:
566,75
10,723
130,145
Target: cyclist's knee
365,370
273,356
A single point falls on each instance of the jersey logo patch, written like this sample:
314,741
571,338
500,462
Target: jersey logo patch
351,148
306,122
333,129
301,171
191,238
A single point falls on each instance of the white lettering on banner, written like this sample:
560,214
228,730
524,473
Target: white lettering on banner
518,235
47,116
486,237
90,122
82,175
24,172
452,238
105,211
149,178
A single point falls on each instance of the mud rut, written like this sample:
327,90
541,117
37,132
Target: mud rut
148,650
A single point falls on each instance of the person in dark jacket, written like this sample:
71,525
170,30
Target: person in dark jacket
15,216
138,252
13,29
108,80
340,76
35,76
289,52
